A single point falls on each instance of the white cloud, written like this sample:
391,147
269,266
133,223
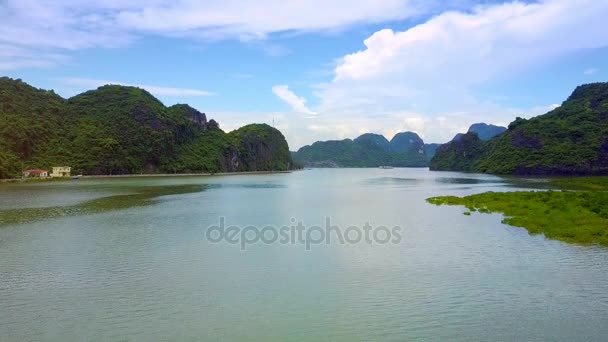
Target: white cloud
256,19
476,46
590,71
426,78
72,24
88,83
297,103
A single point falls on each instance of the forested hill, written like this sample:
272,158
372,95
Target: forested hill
124,130
569,140
368,150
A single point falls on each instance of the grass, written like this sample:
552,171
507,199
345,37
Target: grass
571,216
141,196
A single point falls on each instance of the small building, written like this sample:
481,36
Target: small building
61,171
35,173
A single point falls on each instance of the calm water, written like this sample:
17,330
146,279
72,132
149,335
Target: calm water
143,270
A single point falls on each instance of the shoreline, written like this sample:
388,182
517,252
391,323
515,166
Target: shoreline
208,174
573,210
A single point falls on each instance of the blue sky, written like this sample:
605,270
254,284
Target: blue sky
320,69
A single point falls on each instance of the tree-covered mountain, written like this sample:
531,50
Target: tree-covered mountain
406,142
374,141
368,150
484,131
569,140
124,130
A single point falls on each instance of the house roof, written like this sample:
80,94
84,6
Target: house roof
35,171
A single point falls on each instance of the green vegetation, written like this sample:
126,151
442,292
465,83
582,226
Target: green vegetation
406,149
570,216
261,147
369,150
570,140
458,154
121,130
140,196
486,132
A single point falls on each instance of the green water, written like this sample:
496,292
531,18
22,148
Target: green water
128,259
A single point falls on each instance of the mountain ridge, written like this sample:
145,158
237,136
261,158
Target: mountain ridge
406,149
569,140
125,130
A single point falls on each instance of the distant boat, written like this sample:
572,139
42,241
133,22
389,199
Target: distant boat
386,167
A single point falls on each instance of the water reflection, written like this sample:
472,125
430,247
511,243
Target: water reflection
138,196
467,181
392,181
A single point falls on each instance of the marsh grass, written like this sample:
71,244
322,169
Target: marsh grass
138,197
570,216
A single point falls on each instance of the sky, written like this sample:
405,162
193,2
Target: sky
318,70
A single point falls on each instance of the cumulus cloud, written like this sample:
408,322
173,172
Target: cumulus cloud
297,103
476,46
426,78
88,83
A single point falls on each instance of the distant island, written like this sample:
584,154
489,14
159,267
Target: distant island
406,149
569,140
483,131
368,150
124,130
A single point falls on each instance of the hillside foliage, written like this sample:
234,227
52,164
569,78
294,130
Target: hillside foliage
368,150
122,130
569,140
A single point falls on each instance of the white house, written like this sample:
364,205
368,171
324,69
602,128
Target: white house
61,171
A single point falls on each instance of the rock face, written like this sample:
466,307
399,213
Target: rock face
123,130
196,117
569,140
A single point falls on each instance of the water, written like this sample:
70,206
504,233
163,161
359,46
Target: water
143,270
